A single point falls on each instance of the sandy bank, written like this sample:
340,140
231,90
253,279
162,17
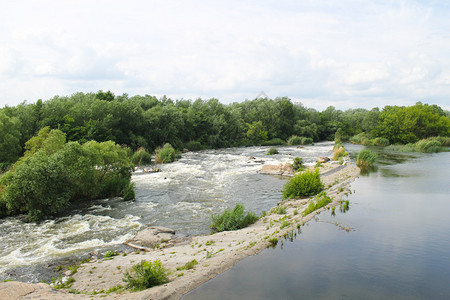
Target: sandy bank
214,253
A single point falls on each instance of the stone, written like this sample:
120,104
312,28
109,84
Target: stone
281,169
323,159
150,237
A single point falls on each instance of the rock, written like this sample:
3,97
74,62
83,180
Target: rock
300,147
252,157
150,237
12,290
323,159
281,169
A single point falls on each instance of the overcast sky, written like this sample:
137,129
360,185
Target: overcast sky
345,53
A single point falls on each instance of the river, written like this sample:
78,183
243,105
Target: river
183,197
397,246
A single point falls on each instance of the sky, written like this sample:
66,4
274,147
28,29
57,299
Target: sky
344,53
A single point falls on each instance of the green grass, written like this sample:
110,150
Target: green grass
272,151
320,201
307,183
146,274
366,159
232,219
188,265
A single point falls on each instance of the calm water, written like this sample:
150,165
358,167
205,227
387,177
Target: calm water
398,246
183,197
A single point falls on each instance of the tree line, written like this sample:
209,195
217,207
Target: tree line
148,122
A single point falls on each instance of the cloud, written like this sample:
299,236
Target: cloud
363,53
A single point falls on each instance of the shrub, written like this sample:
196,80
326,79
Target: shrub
141,157
189,265
307,141
338,151
145,275
445,141
272,151
165,154
273,142
297,165
430,145
379,141
232,219
307,183
193,146
366,159
320,201
294,140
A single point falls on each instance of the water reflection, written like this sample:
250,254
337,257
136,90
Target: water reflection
397,245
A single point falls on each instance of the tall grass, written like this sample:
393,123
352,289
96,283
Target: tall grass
429,145
366,159
166,154
307,183
146,274
320,201
339,151
232,219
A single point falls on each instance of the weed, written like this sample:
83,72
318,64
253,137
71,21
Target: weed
284,223
272,151
320,201
145,275
273,242
232,219
307,183
60,283
295,212
188,265
281,210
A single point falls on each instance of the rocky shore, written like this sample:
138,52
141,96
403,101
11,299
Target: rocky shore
214,253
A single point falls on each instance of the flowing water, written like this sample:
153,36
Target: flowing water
398,245
183,196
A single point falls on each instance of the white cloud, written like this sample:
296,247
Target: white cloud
362,53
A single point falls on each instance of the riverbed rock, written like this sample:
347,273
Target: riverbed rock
13,290
323,159
150,237
281,169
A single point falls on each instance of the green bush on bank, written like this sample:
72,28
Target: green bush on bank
146,274
232,219
303,184
165,155
297,164
429,145
366,159
273,142
141,157
299,140
52,174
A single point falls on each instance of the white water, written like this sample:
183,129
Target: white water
183,197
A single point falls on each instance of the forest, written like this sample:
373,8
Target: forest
80,147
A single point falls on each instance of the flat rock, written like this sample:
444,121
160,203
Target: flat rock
323,159
281,169
150,237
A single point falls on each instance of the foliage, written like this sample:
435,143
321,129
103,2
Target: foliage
380,141
430,145
366,159
193,146
297,164
272,151
307,183
54,173
319,201
294,140
232,219
273,142
165,155
141,157
146,274
338,151
189,265
110,253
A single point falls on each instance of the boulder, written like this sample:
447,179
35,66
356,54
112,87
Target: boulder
281,169
323,159
150,237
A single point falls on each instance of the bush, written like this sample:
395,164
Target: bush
273,142
232,219
445,141
165,154
307,141
366,159
320,201
297,165
272,151
379,141
307,183
141,157
294,140
145,275
338,151
430,145
193,146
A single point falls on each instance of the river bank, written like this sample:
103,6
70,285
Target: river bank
214,253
